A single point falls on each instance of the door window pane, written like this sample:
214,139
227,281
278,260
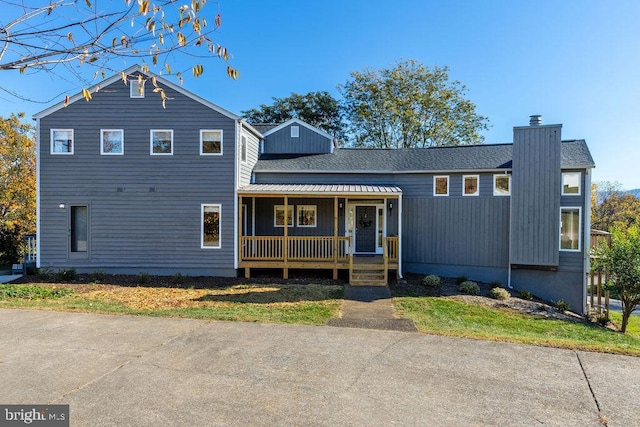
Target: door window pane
79,228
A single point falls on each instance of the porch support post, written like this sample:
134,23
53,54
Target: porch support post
335,237
285,240
400,236
247,271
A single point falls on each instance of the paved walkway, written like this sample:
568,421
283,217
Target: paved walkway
7,279
145,371
370,307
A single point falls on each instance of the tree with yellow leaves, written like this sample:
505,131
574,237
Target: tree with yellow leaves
17,186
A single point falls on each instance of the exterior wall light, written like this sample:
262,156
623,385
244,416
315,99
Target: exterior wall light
62,206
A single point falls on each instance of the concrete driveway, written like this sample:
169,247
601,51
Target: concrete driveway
142,371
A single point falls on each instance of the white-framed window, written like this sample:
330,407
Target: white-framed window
295,131
161,142
243,148
441,185
278,216
470,185
210,223
501,185
61,141
136,88
210,142
571,183
570,229
307,216
112,142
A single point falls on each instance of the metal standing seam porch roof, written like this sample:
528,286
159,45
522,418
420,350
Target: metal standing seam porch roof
320,190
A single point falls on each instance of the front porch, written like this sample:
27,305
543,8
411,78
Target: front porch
335,227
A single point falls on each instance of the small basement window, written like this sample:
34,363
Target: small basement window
571,183
295,131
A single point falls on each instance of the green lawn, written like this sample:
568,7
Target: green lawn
442,316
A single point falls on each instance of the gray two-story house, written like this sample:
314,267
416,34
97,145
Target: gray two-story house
125,185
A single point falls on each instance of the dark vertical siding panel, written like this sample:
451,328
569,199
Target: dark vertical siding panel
308,142
535,195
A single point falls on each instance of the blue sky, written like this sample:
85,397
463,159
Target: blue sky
576,62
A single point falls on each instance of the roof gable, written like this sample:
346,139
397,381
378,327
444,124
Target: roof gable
137,68
298,122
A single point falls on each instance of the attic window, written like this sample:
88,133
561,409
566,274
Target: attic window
136,88
295,131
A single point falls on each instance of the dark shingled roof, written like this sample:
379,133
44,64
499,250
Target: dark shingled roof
263,127
575,154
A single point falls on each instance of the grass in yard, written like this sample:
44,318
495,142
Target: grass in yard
436,315
302,304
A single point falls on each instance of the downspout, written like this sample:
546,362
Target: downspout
586,249
400,236
38,193
510,230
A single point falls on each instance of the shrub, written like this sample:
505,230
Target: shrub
500,293
66,275
143,278
469,287
525,295
44,273
496,284
562,305
431,281
461,279
178,279
98,275
602,320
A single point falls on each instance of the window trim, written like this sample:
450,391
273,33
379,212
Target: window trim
62,153
202,153
313,208
215,205
579,193
579,209
151,142
243,148
102,152
477,192
435,178
138,94
495,178
295,134
275,215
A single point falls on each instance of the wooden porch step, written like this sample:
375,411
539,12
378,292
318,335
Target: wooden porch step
368,275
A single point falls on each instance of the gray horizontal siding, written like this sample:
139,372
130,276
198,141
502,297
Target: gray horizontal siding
309,142
137,228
